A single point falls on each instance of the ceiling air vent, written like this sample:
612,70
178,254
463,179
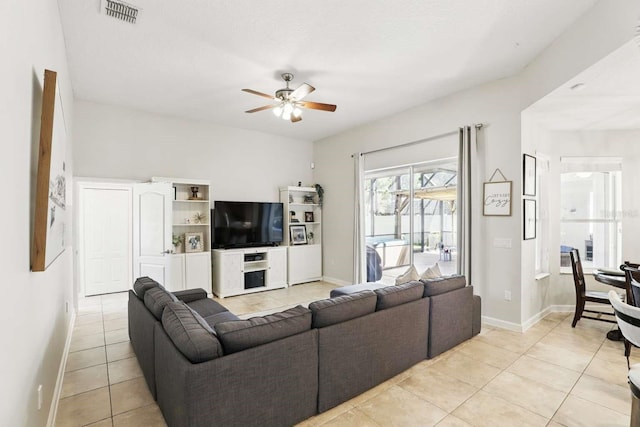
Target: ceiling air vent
120,10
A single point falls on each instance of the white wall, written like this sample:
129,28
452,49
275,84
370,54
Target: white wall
115,142
558,288
601,30
33,322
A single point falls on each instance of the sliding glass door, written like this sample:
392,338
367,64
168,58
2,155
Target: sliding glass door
410,216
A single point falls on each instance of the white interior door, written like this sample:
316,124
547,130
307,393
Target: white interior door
152,230
105,238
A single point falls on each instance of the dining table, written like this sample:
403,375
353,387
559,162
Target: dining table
617,279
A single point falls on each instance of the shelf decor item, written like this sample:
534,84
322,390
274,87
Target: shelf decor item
308,216
310,237
298,234
178,240
320,192
194,193
193,242
198,218
308,198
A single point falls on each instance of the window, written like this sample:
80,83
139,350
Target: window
590,215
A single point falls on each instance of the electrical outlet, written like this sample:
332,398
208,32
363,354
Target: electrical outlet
39,396
507,295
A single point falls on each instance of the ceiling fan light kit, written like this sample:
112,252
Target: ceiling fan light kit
289,101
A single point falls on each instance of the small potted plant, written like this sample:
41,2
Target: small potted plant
178,240
320,192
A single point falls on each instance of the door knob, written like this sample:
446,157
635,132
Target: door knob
168,251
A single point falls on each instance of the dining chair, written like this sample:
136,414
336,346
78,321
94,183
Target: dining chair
583,295
628,318
632,283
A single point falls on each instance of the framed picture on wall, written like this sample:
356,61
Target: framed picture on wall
308,217
497,198
528,175
50,219
529,215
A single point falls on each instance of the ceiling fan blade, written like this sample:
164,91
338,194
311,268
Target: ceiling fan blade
317,106
303,90
295,119
255,92
266,107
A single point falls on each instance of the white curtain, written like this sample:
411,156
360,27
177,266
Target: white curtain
359,266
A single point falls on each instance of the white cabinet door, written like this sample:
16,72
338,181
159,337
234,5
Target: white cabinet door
177,270
231,273
304,263
198,271
152,230
277,274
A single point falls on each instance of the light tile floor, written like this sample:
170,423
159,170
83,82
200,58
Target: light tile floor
552,375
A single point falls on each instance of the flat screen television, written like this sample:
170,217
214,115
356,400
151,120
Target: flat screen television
246,224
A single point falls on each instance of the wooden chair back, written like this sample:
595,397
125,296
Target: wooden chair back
578,274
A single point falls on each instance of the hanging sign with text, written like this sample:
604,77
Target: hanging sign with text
497,198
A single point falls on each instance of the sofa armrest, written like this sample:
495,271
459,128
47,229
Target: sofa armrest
189,295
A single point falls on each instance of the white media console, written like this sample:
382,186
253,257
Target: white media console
247,270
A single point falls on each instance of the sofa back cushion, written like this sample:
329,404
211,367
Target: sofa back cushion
242,334
142,284
340,309
191,335
443,285
155,299
392,296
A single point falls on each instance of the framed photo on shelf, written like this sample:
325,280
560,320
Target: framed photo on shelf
529,214
528,175
308,217
193,242
298,234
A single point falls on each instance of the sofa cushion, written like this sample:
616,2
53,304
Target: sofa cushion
352,289
155,299
191,335
206,307
189,295
225,316
431,272
242,334
340,309
392,296
142,284
410,275
443,285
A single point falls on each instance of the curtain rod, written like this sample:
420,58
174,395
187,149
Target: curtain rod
406,144
478,126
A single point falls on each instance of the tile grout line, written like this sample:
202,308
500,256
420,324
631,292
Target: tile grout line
106,358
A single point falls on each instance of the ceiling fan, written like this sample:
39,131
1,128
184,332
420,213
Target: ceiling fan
289,101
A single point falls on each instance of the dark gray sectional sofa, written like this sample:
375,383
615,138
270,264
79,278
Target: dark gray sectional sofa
206,367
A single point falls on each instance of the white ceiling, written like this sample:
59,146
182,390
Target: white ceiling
190,58
608,99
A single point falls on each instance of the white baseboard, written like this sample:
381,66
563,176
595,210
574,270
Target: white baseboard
501,324
58,388
335,281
